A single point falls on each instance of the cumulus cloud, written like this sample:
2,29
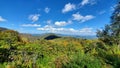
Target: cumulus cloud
47,10
34,17
83,31
68,7
80,18
2,19
85,2
62,23
31,25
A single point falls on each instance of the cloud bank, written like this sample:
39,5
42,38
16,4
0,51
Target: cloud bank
72,31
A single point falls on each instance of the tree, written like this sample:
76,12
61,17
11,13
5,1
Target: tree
111,33
9,40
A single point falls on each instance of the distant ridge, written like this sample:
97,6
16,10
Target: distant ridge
49,36
43,36
3,29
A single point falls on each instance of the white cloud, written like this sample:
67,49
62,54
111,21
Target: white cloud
80,18
72,31
47,10
31,25
46,28
68,7
86,29
34,17
62,23
55,30
85,2
2,19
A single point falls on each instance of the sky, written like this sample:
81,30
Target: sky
72,17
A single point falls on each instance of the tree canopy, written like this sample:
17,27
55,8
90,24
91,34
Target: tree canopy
111,33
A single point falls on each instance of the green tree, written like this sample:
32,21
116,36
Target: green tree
111,33
8,38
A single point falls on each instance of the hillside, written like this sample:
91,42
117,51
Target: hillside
59,34
53,51
2,29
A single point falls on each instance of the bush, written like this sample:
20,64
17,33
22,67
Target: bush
81,60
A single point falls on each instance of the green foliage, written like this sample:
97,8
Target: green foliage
111,33
57,53
9,36
83,61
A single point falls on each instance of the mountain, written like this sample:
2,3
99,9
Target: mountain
3,29
79,36
49,35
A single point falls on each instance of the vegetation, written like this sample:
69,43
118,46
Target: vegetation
25,51
111,33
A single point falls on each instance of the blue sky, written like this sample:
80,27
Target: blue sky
76,17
